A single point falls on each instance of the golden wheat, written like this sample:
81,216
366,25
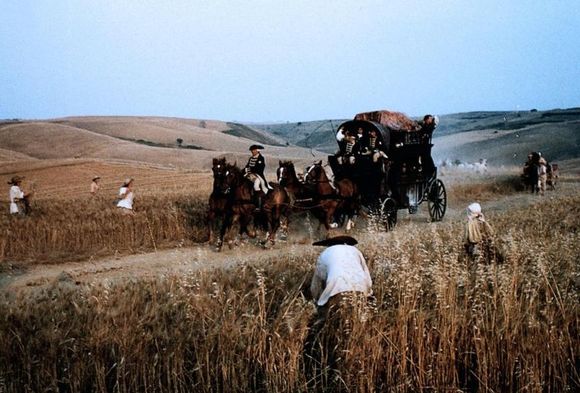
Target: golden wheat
438,323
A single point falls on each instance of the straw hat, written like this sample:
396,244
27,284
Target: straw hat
15,180
127,181
96,178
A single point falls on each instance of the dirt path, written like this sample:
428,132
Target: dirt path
203,256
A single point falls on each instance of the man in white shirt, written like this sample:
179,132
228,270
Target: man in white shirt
340,286
341,268
16,195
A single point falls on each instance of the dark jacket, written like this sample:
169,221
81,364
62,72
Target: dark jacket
256,165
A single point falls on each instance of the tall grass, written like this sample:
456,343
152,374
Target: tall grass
438,323
60,230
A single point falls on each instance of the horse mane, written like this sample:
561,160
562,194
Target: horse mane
288,164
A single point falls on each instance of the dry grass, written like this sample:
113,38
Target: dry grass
56,231
438,323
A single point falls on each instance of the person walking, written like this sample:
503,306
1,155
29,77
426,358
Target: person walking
127,197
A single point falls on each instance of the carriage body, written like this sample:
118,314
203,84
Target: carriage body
404,180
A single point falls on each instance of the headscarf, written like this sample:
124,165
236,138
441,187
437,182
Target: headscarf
474,212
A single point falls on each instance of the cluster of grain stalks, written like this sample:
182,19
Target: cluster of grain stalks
436,323
70,230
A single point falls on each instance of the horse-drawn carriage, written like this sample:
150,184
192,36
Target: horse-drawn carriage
392,165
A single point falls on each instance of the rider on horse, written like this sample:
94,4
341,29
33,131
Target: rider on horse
254,171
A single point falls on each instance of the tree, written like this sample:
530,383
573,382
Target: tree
179,142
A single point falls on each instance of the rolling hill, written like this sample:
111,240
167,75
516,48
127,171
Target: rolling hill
148,140
503,138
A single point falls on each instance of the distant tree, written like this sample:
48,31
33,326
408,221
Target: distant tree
179,142
202,124
534,110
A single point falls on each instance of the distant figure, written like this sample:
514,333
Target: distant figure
19,200
95,187
127,196
553,174
254,171
542,174
479,236
428,125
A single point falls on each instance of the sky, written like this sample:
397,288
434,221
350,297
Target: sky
293,60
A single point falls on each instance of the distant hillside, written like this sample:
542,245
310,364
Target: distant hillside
504,138
150,140
317,135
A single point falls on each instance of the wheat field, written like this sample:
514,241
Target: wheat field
436,323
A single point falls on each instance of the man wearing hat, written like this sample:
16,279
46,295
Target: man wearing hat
95,185
17,195
341,268
340,286
254,172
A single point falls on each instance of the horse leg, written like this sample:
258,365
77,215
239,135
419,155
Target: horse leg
210,224
226,224
274,218
244,222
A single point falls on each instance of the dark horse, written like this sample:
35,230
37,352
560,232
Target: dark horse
240,206
302,197
531,173
343,198
217,199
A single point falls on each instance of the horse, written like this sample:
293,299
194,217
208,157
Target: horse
303,197
531,173
240,206
343,198
217,200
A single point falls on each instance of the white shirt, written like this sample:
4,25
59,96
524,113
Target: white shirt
127,201
15,193
340,268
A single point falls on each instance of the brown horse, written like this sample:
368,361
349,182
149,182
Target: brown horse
343,198
217,200
303,197
240,206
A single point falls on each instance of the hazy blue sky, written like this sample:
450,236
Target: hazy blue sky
285,60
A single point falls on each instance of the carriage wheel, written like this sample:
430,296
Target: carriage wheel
388,213
437,201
